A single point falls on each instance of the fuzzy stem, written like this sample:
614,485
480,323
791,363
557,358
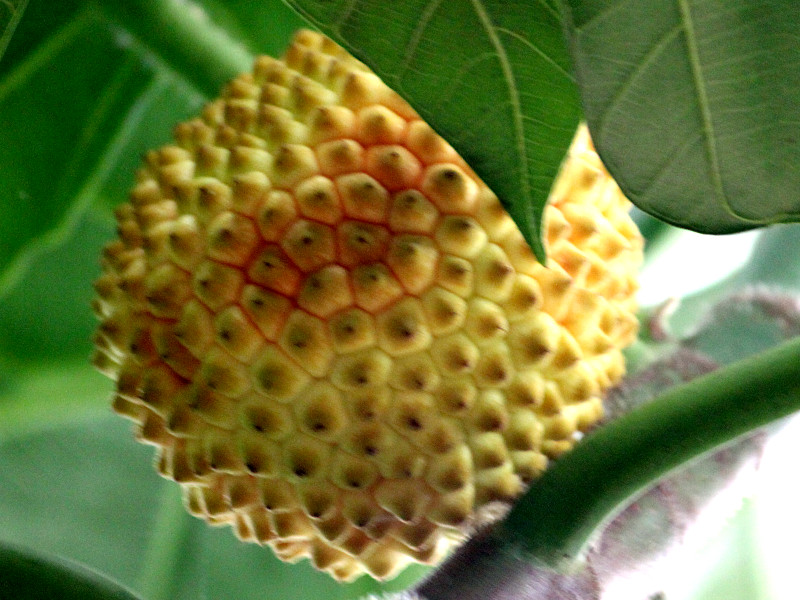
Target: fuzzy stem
623,458
485,568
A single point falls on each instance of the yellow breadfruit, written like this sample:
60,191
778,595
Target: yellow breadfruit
332,332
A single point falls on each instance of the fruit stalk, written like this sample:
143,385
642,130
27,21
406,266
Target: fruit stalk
619,460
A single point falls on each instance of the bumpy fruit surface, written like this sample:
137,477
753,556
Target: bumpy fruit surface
333,333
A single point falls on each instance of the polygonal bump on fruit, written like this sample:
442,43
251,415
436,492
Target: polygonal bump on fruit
335,335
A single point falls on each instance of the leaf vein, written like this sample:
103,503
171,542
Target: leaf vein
702,98
416,36
525,41
508,77
347,11
601,16
641,68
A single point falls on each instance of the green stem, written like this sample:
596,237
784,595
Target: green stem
623,458
181,35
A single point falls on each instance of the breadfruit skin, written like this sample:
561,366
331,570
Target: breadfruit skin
333,333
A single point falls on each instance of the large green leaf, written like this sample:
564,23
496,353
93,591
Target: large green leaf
72,134
491,76
10,14
87,86
694,105
29,576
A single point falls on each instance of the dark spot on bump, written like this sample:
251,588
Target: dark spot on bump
500,270
491,424
300,472
413,423
498,374
456,269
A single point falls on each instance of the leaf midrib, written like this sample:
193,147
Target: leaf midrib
518,126
695,64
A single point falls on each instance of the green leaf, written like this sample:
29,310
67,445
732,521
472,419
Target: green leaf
29,576
87,87
491,76
69,145
694,105
71,487
10,14
43,321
